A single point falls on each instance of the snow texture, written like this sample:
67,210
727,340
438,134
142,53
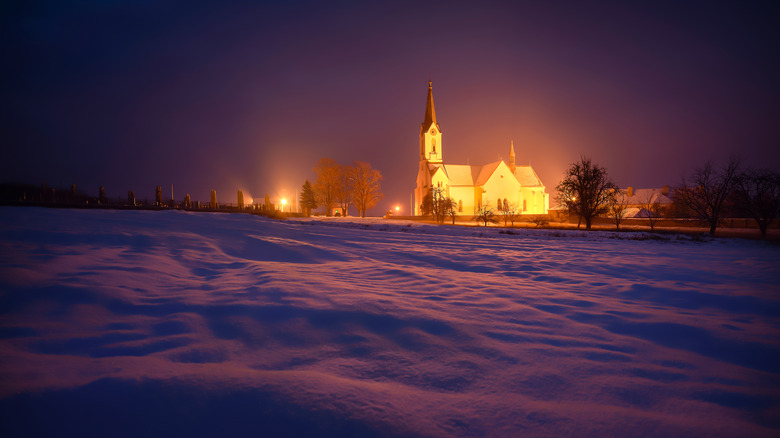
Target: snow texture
141,323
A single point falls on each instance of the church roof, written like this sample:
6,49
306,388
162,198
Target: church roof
486,172
430,111
461,174
467,175
527,177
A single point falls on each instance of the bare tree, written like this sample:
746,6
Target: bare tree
430,203
541,220
325,186
757,192
705,191
366,188
510,213
616,206
485,214
451,209
652,210
437,205
585,189
344,188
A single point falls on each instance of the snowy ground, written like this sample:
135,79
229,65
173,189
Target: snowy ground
130,323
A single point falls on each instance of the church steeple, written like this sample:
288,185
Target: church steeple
512,165
430,134
430,111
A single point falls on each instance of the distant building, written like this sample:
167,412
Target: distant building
498,183
640,199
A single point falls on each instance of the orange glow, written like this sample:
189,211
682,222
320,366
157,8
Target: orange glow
397,209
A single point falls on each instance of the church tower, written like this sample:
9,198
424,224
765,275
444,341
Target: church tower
430,133
430,151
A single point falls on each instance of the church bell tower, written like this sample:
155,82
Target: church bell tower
430,151
430,133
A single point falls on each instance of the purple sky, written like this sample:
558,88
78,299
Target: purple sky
230,95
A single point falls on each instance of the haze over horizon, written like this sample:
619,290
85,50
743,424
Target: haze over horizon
246,95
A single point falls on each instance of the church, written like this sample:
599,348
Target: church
498,183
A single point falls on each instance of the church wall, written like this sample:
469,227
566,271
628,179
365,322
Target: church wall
423,183
477,199
501,185
464,196
440,180
536,201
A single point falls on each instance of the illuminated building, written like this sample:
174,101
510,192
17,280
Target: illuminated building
497,183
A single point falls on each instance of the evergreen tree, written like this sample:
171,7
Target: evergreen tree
308,198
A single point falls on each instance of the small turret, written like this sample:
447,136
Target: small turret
512,165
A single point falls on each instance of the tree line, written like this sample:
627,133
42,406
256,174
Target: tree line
708,194
335,185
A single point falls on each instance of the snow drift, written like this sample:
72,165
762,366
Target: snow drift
130,323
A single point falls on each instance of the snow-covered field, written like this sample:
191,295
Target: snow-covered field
140,323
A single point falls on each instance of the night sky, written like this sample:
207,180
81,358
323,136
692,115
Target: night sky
245,95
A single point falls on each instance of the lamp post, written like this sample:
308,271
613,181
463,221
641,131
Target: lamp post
284,202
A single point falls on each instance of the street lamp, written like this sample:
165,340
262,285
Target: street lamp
284,202
397,209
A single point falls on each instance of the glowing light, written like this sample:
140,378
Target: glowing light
397,209
284,201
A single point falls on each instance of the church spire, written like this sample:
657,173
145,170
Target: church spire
430,112
512,164
430,134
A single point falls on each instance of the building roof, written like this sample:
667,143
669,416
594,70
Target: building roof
651,196
430,111
527,177
461,174
485,172
468,175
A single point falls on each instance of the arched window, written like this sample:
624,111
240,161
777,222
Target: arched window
506,205
524,205
433,144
